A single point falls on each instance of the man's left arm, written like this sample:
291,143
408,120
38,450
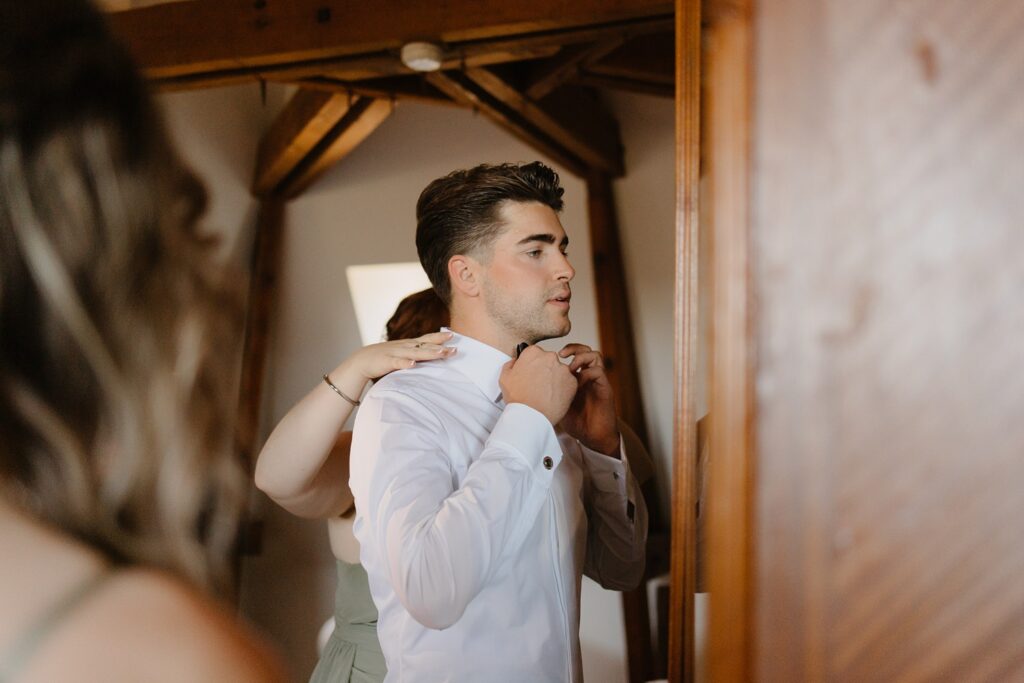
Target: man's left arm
617,515
617,522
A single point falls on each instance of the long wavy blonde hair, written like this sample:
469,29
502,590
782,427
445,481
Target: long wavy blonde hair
115,422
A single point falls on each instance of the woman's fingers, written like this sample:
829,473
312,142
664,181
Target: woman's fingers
434,337
427,347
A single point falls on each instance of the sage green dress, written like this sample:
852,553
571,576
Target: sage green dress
353,651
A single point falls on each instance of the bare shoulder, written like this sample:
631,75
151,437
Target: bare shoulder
164,630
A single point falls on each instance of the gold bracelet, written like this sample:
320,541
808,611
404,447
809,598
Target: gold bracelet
339,392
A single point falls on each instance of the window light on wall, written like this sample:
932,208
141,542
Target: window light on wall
376,290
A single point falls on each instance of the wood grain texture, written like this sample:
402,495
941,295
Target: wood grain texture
201,36
314,131
372,61
362,118
890,281
301,125
728,60
683,577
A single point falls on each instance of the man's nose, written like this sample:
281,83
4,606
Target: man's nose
565,270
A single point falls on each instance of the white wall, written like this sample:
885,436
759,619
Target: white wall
216,132
363,211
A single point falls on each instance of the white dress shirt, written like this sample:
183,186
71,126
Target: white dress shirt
476,520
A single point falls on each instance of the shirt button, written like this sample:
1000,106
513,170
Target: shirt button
615,475
548,462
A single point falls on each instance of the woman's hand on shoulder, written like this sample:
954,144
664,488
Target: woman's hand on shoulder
377,360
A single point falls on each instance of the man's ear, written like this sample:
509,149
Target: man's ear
464,274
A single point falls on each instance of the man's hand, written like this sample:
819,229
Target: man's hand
591,417
538,379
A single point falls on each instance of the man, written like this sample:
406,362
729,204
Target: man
486,484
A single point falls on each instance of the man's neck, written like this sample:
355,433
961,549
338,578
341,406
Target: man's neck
484,331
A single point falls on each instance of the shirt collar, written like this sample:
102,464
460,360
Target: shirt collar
479,362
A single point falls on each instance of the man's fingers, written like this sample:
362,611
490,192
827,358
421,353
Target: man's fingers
573,349
588,375
585,360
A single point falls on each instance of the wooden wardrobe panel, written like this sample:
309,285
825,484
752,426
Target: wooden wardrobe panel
888,268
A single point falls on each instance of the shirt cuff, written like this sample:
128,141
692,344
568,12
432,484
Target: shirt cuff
607,473
530,435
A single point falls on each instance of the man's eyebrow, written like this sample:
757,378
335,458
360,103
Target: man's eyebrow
545,237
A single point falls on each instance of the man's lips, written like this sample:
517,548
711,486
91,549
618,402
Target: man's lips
561,299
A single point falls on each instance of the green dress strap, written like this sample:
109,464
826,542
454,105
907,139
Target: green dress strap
24,647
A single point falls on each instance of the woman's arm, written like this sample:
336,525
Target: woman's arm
303,465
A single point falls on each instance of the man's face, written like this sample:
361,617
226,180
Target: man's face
526,280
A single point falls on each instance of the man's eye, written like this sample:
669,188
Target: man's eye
534,253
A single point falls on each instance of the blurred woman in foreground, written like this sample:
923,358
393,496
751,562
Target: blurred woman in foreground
119,495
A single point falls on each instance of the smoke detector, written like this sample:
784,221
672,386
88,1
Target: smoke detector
421,56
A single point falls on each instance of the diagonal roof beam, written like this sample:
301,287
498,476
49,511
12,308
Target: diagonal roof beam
465,92
314,131
575,117
571,126
568,64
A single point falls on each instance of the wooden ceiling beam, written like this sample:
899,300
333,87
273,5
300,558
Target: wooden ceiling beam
468,94
301,125
414,88
567,64
579,121
314,131
381,63
355,68
651,59
364,116
199,36
626,84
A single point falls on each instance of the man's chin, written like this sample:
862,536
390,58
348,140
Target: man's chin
553,332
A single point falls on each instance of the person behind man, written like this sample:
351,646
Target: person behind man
485,485
304,466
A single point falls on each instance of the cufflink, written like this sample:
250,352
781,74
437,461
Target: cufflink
548,462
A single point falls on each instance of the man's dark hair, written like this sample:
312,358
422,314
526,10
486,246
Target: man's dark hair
458,214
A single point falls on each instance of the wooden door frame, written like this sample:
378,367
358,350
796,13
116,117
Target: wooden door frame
714,48
728,50
683,564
